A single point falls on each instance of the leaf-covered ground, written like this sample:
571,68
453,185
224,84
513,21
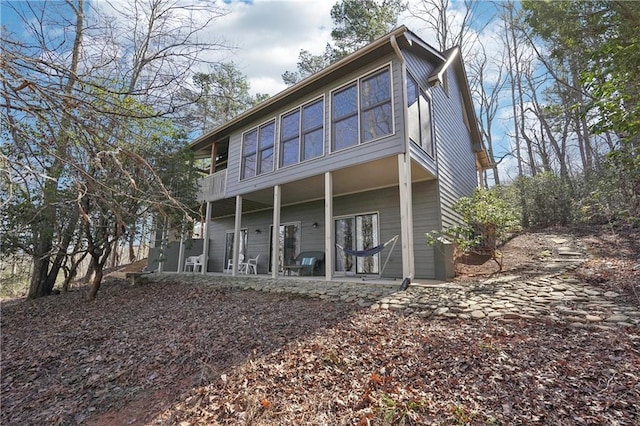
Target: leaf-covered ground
175,353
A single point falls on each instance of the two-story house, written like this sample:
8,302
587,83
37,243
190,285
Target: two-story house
378,144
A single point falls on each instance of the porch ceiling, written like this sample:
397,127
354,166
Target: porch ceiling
376,174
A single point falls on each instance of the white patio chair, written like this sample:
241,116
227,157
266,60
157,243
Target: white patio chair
252,265
195,262
241,264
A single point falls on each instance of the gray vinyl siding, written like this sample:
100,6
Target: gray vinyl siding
380,148
256,243
385,202
418,67
425,219
171,252
457,176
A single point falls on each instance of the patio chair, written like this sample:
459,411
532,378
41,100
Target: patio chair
195,262
252,265
241,264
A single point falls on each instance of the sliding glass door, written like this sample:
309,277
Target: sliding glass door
228,248
358,232
289,244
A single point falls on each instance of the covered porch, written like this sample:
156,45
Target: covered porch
250,218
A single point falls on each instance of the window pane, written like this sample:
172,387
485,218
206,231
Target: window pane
289,152
313,146
367,238
290,243
425,124
344,237
228,249
267,135
412,91
414,123
249,166
312,115
250,142
376,122
345,133
266,160
290,126
345,102
375,89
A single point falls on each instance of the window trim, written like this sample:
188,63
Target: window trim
299,109
358,83
258,150
281,141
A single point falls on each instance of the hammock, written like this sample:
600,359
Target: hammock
372,251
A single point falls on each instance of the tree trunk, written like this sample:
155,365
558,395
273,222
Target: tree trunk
43,279
38,282
73,271
132,253
42,231
95,283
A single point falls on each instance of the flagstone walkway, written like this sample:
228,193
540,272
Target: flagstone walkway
553,294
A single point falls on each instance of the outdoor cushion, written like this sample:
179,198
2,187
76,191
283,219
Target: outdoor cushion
311,262
308,261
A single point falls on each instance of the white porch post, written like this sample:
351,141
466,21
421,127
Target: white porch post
275,238
236,236
406,215
205,238
181,251
329,244
163,245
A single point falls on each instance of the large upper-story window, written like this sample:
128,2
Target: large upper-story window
302,134
362,111
257,150
419,116
375,106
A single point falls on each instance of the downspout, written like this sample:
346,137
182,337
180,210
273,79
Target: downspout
396,48
408,207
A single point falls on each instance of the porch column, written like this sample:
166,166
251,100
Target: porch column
163,245
406,215
181,251
329,243
275,237
205,238
236,236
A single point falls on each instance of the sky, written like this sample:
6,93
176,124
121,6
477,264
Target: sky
267,36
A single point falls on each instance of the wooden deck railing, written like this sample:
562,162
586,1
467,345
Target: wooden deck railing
213,186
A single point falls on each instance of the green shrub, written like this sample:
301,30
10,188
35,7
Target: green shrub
545,200
487,218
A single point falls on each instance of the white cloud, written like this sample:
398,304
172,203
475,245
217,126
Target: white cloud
269,34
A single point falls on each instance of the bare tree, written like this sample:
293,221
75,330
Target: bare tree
82,105
450,28
487,87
